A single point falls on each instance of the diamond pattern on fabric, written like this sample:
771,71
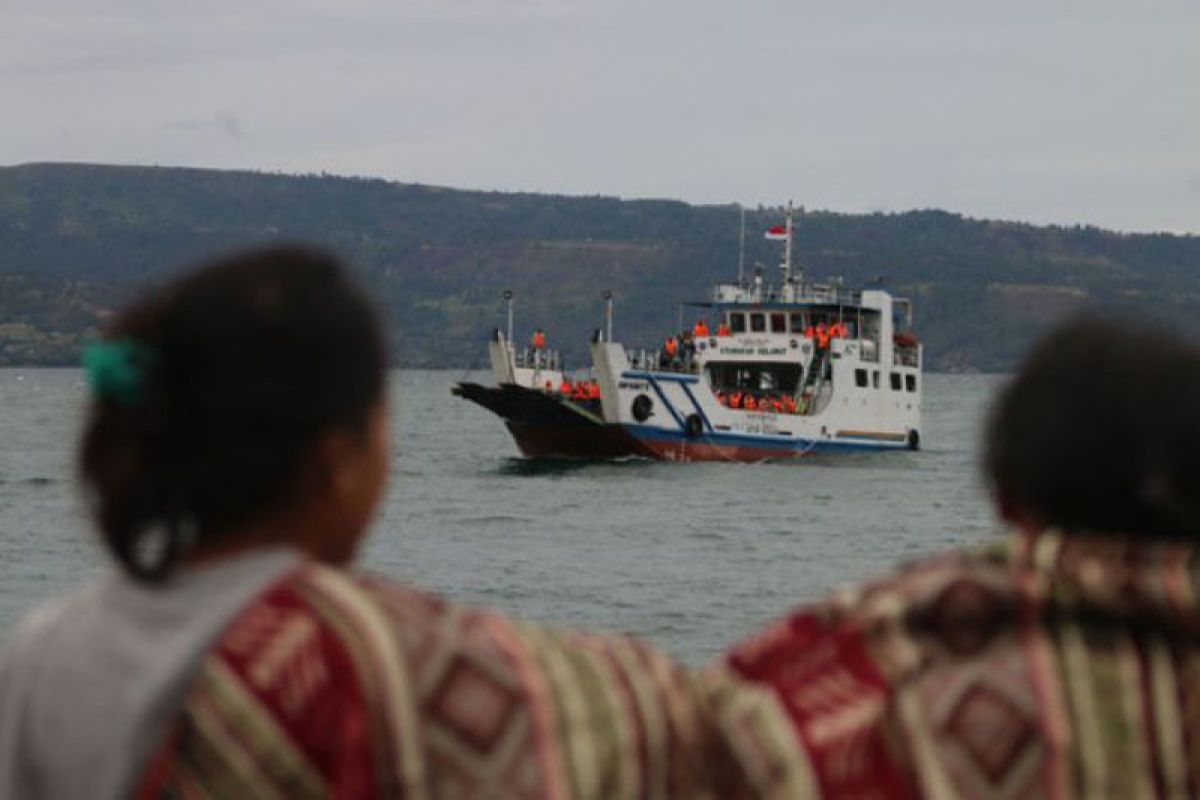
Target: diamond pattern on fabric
993,731
472,704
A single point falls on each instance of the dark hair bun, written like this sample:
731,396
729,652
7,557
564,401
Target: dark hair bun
250,359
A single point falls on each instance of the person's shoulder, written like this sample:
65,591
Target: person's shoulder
948,598
423,620
832,672
41,624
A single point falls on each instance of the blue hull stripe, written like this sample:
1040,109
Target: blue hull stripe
663,398
696,403
669,377
651,433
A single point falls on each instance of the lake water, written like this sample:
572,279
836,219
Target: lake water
690,556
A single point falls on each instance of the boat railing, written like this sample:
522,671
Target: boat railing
537,358
651,360
641,358
811,293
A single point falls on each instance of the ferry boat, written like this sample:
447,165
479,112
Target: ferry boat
770,370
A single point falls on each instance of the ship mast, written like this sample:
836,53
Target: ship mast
742,246
786,266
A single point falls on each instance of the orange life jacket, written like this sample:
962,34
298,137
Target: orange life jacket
565,386
735,400
789,404
539,340
748,403
671,347
722,329
776,404
593,391
700,329
809,333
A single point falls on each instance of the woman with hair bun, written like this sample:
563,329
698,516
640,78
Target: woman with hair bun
235,449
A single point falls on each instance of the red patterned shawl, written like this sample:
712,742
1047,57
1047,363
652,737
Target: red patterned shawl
1048,666
1042,667
332,685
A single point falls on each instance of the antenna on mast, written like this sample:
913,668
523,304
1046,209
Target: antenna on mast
742,245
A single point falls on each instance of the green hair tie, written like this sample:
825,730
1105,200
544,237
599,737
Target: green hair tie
116,369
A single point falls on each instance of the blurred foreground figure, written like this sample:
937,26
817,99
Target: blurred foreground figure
1063,662
235,450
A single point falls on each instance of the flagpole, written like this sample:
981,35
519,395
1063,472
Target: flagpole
787,249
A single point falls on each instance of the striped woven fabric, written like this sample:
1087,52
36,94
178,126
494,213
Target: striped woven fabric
1046,666
1040,667
333,685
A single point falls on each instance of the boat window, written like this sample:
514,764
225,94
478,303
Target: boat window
778,323
754,377
860,378
737,323
797,322
758,323
910,382
895,381
875,379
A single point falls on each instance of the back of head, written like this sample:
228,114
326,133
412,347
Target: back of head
225,378
1100,431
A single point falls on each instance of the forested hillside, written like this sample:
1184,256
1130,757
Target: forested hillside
76,240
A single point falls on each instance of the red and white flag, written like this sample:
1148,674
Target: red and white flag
777,232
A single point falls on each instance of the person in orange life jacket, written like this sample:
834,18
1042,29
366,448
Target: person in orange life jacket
749,403
822,336
580,391
538,340
722,329
564,388
735,400
810,332
593,390
670,349
776,404
789,404
700,328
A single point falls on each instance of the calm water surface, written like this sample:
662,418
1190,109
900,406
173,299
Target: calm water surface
691,556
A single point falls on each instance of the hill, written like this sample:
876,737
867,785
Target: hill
77,240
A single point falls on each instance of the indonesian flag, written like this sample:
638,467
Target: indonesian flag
776,232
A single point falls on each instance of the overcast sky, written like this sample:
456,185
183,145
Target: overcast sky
1046,111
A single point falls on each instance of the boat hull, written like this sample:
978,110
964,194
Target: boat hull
671,446
600,442
546,426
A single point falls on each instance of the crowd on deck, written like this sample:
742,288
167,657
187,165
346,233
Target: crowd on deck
777,402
